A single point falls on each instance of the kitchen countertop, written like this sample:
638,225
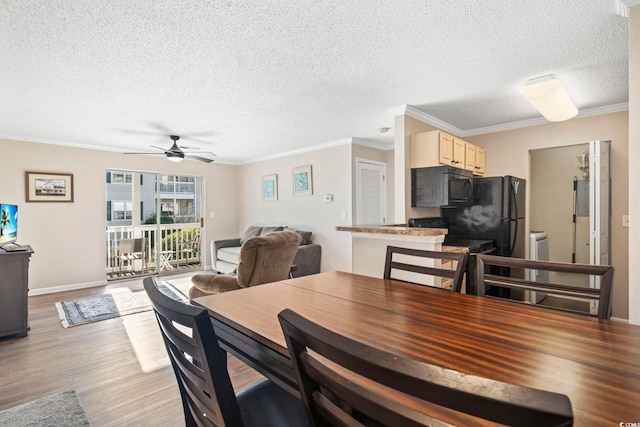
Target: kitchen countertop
399,229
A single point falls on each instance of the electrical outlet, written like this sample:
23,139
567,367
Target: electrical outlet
212,214
344,214
625,220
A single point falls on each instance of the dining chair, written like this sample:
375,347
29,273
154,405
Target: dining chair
449,266
391,390
200,367
603,273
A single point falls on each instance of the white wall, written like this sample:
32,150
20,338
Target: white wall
331,170
634,163
69,238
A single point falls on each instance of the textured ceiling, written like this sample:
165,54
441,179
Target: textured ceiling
253,79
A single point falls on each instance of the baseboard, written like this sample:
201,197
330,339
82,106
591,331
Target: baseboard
76,286
619,319
64,288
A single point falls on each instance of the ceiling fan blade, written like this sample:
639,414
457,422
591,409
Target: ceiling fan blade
201,159
149,154
201,141
159,148
201,152
159,126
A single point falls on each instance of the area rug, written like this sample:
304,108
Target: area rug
60,410
114,303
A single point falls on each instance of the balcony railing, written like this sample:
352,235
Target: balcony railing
175,248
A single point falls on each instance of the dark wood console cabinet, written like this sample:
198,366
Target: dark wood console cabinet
14,290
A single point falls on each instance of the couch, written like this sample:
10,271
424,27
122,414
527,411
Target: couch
225,254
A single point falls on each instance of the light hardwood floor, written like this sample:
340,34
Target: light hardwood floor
119,367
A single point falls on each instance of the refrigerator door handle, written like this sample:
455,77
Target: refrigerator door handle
512,193
515,237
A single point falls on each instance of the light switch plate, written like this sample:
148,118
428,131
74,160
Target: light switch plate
625,220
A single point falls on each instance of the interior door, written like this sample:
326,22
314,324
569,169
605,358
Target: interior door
371,194
599,206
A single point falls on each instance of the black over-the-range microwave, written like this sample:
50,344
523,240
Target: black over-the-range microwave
441,186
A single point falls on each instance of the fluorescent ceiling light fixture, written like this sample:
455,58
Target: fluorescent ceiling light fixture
548,96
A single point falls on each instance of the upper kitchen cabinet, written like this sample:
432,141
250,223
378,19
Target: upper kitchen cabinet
479,166
436,148
474,159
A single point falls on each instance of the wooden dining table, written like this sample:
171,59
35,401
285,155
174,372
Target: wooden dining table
595,362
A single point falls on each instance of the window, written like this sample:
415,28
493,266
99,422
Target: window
121,210
119,178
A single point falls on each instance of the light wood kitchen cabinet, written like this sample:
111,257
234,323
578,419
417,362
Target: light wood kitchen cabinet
437,148
459,149
470,157
479,166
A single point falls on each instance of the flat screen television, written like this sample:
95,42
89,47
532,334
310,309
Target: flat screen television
8,226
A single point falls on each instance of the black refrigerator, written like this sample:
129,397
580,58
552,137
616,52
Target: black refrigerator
496,213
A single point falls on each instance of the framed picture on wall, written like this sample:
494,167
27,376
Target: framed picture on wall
270,188
302,181
49,187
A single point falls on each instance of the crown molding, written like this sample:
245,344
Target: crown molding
417,114
631,3
331,144
373,144
426,118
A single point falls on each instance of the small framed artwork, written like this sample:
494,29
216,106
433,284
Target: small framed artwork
302,181
270,188
49,187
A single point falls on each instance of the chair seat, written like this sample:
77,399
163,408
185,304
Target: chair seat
263,403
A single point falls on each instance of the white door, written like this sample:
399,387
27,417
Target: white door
599,206
371,194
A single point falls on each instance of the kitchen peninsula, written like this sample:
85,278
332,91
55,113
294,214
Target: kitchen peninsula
369,244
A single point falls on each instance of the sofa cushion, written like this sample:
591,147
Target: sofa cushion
305,236
252,231
229,254
267,230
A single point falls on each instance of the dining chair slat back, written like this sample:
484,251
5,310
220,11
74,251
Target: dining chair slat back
198,361
432,273
485,278
200,367
332,396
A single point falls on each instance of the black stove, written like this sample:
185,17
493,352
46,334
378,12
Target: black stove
475,246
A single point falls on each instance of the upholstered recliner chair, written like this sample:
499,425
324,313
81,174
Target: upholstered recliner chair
263,259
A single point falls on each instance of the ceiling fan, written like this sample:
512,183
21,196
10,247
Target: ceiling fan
177,154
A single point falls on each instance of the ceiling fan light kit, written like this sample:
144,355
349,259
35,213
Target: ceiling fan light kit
549,97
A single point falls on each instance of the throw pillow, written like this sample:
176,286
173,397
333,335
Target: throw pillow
267,230
305,236
252,231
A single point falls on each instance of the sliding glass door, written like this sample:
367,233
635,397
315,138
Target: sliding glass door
154,223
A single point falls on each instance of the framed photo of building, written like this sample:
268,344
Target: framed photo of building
49,187
302,181
270,188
